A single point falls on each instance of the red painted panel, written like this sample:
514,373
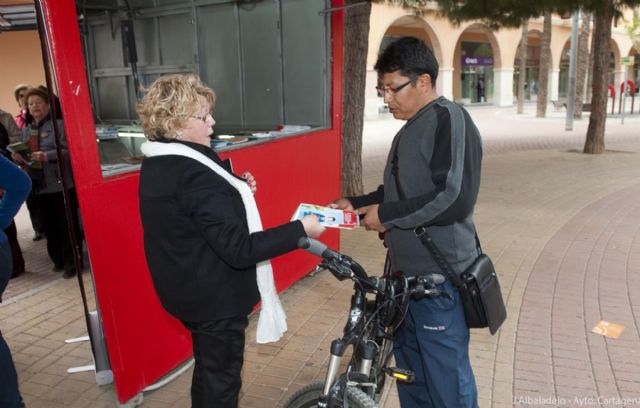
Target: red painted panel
143,341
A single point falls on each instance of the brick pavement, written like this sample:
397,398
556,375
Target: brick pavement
562,229
37,267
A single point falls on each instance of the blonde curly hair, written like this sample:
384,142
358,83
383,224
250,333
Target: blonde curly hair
170,101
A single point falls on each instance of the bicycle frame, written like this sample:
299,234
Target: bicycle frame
365,349
370,326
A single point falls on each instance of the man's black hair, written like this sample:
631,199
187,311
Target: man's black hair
411,56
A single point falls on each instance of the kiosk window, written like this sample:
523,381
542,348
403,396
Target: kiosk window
267,60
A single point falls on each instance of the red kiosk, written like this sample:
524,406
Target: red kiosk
143,341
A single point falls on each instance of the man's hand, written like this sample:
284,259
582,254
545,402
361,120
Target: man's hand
341,204
371,221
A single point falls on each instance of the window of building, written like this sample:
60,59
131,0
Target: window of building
477,72
268,62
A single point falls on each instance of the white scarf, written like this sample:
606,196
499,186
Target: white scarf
272,322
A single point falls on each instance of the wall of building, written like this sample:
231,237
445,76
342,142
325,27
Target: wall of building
445,39
21,63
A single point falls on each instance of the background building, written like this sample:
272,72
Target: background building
19,50
480,65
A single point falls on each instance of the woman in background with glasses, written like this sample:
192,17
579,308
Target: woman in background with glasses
48,196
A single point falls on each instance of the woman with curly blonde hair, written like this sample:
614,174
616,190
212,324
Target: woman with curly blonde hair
204,243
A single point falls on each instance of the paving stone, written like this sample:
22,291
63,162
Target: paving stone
561,227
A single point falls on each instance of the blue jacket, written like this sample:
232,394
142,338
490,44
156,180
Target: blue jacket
17,186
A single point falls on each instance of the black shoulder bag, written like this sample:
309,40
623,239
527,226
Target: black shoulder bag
478,285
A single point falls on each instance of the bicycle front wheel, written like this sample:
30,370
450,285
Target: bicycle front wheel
308,396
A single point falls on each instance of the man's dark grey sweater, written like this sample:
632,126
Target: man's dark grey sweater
439,159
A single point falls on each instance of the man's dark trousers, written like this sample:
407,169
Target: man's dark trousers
218,350
433,343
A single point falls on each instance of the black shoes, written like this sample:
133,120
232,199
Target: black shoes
58,268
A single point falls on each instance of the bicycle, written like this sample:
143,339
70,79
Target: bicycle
369,331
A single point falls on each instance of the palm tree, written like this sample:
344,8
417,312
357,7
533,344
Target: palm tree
583,63
522,65
594,142
545,65
356,45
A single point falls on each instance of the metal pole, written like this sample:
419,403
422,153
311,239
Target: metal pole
571,93
104,375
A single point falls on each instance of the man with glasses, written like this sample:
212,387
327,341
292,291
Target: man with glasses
431,180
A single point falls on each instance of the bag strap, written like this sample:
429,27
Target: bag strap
423,236
421,231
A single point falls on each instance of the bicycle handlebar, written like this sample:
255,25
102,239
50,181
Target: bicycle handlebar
317,248
340,265
344,267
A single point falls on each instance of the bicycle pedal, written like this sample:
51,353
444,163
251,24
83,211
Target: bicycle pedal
401,375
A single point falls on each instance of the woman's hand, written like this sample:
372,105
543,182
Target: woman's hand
312,226
251,181
18,158
342,204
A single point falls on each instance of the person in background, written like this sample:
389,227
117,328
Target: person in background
203,237
14,133
22,119
431,180
20,93
11,231
16,186
480,90
47,184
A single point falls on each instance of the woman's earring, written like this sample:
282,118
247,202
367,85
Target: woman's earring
179,135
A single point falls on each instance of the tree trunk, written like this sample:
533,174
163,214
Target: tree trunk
583,62
522,65
590,69
603,18
356,43
544,67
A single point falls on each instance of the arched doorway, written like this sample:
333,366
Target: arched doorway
411,26
405,26
474,59
563,82
532,71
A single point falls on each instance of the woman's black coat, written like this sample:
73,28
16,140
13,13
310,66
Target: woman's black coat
200,253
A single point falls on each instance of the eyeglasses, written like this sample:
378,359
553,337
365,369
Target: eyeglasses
202,118
382,90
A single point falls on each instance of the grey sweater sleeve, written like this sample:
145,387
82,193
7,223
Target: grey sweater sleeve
455,168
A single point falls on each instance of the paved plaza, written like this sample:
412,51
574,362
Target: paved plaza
562,228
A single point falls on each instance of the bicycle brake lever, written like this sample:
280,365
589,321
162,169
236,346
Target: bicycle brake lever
338,269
